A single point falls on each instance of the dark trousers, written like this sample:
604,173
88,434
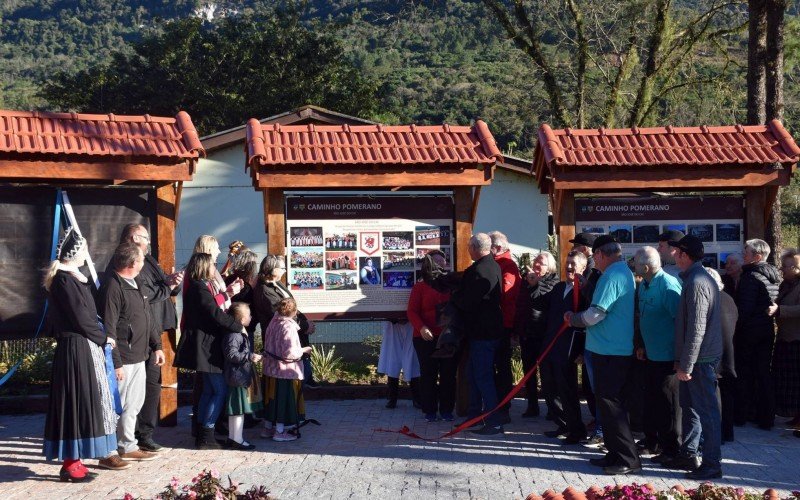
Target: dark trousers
586,389
565,407
755,399
611,376
701,415
503,377
147,420
727,397
437,379
530,348
635,399
480,372
662,409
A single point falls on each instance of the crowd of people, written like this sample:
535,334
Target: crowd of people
307,279
306,259
340,261
106,373
667,348
398,242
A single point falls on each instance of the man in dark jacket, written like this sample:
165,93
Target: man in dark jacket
129,325
478,299
159,288
755,337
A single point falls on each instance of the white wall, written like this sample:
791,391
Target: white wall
222,202
514,206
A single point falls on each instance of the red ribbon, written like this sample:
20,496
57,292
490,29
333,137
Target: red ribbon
469,423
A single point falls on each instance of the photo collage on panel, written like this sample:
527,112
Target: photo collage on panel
306,258
721,238
341,262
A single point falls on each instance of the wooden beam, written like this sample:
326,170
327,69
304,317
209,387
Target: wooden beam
755,212
772,195
334,179
565,227
110,171
463,198
670,179
276,222
166,202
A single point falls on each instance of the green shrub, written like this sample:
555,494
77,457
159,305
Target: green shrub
325,364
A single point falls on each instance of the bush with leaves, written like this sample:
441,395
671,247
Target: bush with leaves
324,363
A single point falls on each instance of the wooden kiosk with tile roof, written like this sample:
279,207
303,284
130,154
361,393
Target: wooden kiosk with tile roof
754,159
371,157
75,151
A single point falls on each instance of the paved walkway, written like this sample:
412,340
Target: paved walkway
346,458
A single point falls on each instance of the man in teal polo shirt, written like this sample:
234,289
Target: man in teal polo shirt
609,340
659,298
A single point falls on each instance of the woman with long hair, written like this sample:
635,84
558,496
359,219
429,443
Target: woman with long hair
201,344
81,422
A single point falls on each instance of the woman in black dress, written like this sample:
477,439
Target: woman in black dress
81,422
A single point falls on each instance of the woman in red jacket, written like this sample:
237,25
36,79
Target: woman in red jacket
437,375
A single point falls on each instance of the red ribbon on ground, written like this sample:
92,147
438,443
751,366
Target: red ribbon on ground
469,423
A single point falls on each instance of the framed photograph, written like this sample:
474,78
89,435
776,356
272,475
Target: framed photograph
398,279
341,280
704,232
398,240
305,257
711,260
729,232
369,270
432,235
340,261
646,234
341,241
398,261
673,227
305,237
622,232
305,280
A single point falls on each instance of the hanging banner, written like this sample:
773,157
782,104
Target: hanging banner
358,256
636,222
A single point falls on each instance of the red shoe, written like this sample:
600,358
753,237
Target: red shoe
74,472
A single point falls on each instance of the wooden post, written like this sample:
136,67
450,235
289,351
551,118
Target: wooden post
464,206
166,202
755,212
275,221
565,226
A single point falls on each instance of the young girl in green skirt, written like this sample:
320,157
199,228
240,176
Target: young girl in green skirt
239,359
283,367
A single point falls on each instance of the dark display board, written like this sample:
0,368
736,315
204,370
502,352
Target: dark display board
26,226
358,256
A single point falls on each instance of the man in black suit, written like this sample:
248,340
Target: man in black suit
559,369
478,299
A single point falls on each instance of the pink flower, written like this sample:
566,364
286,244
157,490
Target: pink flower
128,496
215,473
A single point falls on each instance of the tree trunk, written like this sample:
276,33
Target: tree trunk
756,59
774,108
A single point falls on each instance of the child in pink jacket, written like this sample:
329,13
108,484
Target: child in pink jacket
283,368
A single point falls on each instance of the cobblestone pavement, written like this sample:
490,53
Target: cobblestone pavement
347,458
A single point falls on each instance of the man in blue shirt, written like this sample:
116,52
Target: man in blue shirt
609,340
659,296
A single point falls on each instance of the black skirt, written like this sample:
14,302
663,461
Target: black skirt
81,422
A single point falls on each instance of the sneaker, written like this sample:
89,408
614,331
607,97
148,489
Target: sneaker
488,430
284,436
267,433
447,417
138,456
149,445
431,417
113,463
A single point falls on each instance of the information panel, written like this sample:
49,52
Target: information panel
358,256
636,222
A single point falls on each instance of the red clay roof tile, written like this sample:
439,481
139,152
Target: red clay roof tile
273,144
99,135
754,145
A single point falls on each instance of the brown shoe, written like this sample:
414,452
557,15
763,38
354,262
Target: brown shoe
138,456
113,463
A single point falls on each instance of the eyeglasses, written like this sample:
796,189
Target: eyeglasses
143,236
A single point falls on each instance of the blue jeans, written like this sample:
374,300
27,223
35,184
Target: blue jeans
213,398
482,391
701,415
587,363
